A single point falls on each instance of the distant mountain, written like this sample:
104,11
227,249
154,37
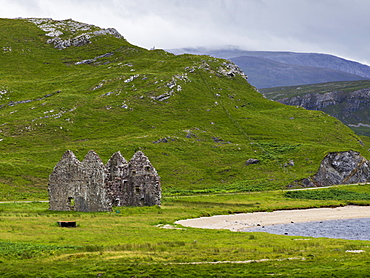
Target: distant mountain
267,73
266,69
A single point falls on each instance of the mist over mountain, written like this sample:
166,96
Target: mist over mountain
266,69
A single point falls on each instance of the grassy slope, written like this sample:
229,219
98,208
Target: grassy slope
80,118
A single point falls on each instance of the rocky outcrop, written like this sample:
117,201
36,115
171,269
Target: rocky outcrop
352,102
82,39
66,33
92,186
347,107
230,69
347,167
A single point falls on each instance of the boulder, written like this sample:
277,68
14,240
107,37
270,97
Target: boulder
252,161
347,167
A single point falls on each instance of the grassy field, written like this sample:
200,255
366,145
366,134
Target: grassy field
131,242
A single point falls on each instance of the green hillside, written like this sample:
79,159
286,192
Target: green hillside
197,124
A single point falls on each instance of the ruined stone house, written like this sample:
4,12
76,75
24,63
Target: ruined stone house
92,186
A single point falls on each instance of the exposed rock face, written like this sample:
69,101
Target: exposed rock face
316,101
92,186
350,107
82,39
82,32
340,168
231,70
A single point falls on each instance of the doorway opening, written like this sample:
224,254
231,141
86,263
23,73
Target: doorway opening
71,203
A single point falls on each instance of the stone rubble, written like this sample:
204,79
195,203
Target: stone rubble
56,115
172,86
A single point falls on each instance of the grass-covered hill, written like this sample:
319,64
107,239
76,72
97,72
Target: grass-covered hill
67,85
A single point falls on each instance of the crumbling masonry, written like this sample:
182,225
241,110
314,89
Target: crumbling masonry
92,186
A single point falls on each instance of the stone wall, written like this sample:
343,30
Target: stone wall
117,167
62,182
143,185
92,186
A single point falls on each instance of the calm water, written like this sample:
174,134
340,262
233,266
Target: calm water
355,229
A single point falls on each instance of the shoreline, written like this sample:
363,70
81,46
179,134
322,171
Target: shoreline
243,221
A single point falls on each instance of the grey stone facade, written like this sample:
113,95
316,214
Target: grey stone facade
92,186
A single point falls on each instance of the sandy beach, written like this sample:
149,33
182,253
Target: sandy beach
242,221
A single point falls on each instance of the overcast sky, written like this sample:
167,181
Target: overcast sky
338,27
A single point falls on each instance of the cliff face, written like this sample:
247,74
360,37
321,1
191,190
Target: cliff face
350,108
